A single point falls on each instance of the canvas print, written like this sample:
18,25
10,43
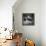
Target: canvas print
28,19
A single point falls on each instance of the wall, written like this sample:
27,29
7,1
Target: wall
29,32
43,22
6,13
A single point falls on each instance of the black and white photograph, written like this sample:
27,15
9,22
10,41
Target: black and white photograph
28,19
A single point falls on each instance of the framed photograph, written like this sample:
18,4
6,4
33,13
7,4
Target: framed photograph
28,18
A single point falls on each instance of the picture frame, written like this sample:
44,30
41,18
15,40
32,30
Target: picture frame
28,19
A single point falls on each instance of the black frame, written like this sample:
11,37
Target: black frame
28,19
